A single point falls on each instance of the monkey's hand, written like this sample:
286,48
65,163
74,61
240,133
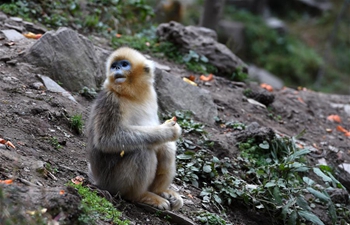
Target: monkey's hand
175,128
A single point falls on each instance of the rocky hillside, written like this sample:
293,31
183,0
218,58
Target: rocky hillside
47,88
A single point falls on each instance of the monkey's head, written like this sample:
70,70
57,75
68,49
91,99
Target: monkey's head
129,73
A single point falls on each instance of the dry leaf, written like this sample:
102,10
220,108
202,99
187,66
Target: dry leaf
118,35
342,129
32,35
9,181
334,118
189,81
267,87
62,192
206,78
192,77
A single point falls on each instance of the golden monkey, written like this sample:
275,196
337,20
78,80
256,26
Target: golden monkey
130,152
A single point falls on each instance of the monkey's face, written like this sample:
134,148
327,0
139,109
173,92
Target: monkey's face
128,70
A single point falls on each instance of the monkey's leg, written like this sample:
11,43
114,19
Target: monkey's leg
166,170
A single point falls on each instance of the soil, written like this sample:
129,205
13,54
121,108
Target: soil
49,153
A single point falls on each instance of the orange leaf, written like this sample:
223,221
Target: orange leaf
189,81
9,181
334,118
347,134
206,78
32,35
62,192
342,129
192,78
118,35
301,100
8,143
267,87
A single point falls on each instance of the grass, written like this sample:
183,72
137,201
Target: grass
96,208
76,123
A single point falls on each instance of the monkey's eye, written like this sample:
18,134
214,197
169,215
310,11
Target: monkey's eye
122,64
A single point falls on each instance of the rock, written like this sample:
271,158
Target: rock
38,86
320,5
102,56
54,87
36,29
70,58
175,94
12,35
263,76
3,16
203,42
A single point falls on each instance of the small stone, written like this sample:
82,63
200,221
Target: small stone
12,35
16,19
38,86
345,167
12,62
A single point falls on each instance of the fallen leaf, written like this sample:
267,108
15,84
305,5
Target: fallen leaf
342,129
118,35
206,78
32,35
77,180
9,181
191,77
62,192
301,100
189,81
334,118
347,134
267,87
190,196
329,130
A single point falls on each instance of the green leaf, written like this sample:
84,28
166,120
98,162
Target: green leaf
184,156
265,145
318,194
292,220
303,203
207,168
322,175
332,213
270,184
217,199
308,181
277,195
309,216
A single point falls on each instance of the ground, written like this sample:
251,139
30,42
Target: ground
49,153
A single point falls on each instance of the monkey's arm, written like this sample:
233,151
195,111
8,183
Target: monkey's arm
133,137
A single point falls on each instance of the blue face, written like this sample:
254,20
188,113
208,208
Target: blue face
119,69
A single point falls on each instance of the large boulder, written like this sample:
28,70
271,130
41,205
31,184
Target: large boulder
68,57
175,94
203,42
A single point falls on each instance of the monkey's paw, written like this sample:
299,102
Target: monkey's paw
174,198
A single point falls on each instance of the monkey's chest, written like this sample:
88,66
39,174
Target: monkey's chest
142,117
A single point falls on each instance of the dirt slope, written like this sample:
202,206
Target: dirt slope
49,153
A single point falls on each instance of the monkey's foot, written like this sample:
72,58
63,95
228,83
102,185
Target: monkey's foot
174,198
152,199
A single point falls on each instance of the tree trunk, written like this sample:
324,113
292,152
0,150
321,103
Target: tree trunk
212,13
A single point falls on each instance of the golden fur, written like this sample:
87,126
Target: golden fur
130,152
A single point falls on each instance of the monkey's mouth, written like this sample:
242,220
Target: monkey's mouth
119,78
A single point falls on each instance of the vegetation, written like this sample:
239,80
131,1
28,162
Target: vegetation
95,208
281,54
272,176
86,16
77,123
